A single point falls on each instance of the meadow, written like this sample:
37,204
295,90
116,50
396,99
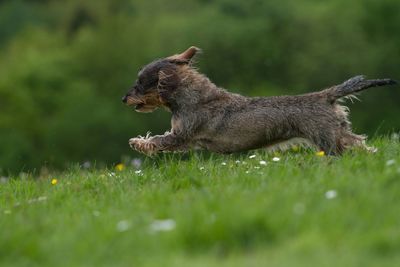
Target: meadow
294,208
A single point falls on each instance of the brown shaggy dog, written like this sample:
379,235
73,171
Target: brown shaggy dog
206,116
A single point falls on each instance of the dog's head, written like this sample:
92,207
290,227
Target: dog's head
157,81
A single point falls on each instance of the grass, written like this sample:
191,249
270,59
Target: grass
197,210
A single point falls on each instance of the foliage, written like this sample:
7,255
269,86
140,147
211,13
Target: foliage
65,65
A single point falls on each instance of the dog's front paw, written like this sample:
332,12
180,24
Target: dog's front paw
143,145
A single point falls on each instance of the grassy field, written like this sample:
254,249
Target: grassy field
200,210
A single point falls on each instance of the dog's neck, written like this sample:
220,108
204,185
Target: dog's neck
194,89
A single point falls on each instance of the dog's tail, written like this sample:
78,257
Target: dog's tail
352,86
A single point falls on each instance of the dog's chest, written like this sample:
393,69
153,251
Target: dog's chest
176,125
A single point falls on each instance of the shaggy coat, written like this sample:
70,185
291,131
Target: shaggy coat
209,117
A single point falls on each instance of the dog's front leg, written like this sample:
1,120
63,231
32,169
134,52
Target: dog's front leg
152,145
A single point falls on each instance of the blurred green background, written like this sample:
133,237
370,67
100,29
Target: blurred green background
64,65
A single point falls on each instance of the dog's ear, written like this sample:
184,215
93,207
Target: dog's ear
185,57
168,81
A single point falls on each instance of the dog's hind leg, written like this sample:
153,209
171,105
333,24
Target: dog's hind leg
347,140
326,142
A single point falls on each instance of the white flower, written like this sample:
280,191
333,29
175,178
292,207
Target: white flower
299,208
252,156
136,163
390,162
276,159
201,168
42,198
223,163
237,162
162,225
123,226
331,194
39,199
263,162
96,213
212,218
86,165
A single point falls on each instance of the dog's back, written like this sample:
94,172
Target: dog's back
240,123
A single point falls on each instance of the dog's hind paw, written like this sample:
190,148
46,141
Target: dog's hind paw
371,149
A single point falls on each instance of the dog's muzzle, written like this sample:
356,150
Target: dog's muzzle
131,101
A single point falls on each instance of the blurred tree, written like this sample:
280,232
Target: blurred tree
65,65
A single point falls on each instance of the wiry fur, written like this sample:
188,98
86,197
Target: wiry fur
206,116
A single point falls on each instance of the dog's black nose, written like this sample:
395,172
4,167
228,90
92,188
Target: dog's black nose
124,99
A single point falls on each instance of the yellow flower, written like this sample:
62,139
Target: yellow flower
295,148
54,181
120,167
320,153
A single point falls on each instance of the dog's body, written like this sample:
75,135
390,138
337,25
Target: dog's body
206,116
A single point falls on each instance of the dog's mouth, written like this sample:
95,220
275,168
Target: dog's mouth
139,106
142,105
145,108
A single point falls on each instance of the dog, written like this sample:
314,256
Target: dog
208,117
